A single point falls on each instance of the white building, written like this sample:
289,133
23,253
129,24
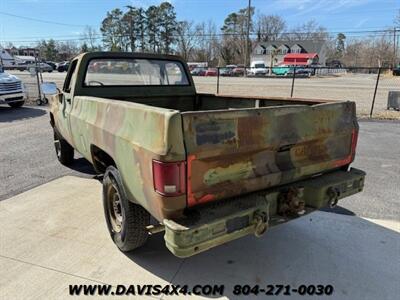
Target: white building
276,51
5,58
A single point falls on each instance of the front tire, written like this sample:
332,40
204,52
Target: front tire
64,151
17,104
126,221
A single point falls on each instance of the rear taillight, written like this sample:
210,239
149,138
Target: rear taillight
350,157
354,138
169,178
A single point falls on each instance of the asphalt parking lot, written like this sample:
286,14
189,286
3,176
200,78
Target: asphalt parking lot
53,231
29,160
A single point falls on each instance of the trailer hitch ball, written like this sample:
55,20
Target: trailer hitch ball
333,196
261,223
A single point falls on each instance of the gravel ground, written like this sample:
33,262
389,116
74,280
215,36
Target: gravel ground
27,159
355,87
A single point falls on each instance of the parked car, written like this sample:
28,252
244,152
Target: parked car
257,69
206,172
63,67
225,71
302,72
334,64
211,72
280,70
42,67
12,91
396,71
239,70
198,72
52,64
24,65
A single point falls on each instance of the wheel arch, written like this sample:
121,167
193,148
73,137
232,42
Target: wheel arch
101,159
52,122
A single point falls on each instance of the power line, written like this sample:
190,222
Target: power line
359,33
40,21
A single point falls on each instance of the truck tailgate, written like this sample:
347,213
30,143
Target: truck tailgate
232,152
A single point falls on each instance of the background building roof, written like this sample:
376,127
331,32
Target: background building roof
308,45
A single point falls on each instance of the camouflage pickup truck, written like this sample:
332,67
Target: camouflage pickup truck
208,168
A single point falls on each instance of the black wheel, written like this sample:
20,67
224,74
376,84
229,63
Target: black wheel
45,100
64,151
126,221
16,104
39,102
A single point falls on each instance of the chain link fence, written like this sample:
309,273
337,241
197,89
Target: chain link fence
368,87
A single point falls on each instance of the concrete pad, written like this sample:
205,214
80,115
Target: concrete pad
60,226
55,235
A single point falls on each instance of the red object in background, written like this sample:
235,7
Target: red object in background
211,72
299,59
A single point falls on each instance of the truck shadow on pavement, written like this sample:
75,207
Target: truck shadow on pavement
338,210
349,253
81,165
9,114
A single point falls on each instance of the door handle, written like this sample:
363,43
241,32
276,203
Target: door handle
68,100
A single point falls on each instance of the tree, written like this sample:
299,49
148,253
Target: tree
84,48
187,38
66,50
48,49
397,19
310,30
340,44
152,28
235,30
269,27
130,22
207,49
89,37
168,26
112,31
141,28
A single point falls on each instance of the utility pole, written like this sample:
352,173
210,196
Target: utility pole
1,57
394,47
247,58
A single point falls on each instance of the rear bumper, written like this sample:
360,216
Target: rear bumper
221,222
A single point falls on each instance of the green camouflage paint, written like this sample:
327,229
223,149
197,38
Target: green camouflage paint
232,145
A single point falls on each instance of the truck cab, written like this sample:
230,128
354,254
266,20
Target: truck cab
12,90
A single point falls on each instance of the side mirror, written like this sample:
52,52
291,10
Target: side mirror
49,88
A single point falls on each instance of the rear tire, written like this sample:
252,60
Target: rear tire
64,151
17,104
125,220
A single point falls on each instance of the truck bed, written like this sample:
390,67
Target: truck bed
229,145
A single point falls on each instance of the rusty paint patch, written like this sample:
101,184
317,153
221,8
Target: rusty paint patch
215,132
232,173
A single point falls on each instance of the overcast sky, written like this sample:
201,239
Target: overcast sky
335,15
